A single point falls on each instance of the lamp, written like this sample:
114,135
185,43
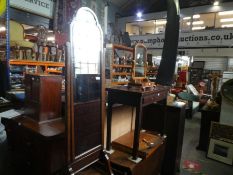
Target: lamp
139,14
216,3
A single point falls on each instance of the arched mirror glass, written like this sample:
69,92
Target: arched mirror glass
86,43
84,121
140,61
139,77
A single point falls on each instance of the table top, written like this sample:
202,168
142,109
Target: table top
47,130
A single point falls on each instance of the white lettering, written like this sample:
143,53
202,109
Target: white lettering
38,2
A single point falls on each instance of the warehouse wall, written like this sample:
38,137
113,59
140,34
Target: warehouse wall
230,64
214,63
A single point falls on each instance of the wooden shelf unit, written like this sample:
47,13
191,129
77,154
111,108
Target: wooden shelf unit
17,77
45,64
119,63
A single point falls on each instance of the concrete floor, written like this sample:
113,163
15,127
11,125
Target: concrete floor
189,152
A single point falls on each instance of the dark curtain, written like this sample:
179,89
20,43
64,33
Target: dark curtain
168,61
64,12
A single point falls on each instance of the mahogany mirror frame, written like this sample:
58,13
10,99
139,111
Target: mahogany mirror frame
76,163
136,47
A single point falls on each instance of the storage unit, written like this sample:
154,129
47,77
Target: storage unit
18,68
118,64
168,120
43,96
36,148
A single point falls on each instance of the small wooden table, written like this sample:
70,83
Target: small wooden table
132,97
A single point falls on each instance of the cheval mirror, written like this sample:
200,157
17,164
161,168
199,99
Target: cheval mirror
84,91
139,78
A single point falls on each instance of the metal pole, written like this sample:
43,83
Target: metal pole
7,44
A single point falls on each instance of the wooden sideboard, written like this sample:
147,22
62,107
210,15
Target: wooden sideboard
36,148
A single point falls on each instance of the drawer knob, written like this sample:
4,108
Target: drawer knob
158,94
70,169
19,124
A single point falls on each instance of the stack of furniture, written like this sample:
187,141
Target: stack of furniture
37,138
134,145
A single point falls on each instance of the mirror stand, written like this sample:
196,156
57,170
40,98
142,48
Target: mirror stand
84,91
139,79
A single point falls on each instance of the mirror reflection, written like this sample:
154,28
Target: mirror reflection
140,61
86,41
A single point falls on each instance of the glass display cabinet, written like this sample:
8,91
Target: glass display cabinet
139,77
84,91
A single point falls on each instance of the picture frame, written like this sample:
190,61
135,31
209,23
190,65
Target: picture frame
221,151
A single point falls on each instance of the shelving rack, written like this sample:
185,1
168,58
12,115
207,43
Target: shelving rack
46,64
20,67
119,64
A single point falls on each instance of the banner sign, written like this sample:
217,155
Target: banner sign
41,7
210,38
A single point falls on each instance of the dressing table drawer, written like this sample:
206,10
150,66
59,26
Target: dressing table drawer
155,97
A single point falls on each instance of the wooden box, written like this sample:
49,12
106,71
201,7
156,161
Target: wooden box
125,143
152,157
43,97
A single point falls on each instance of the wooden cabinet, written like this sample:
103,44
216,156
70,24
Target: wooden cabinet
207,116
36,148
118,64
43,97
167,120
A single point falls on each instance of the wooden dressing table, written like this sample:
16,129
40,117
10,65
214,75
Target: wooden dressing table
133,97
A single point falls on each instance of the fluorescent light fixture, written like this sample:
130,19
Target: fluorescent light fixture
196,16
160,22
216,3
226,20
198,28
195,23
227,25
225,13
139,14
187,18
